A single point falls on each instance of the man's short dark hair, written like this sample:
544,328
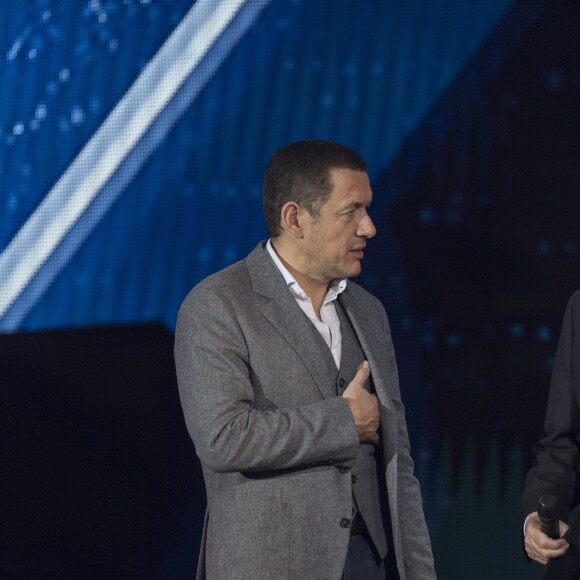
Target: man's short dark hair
300,172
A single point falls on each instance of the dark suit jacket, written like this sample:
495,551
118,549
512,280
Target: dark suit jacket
274,439
557,460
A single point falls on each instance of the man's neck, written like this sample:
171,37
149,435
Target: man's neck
315,289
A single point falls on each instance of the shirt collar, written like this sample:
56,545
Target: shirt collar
335,287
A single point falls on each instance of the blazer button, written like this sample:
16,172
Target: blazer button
343,470
345,523
342,383
353,478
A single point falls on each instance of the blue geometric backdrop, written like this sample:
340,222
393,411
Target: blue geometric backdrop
364,73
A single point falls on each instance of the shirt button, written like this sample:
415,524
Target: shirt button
345,523
344,469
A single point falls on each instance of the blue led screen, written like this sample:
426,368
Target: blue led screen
302,70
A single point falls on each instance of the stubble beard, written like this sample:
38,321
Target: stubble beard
327,269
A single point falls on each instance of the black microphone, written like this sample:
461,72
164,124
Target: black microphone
548,513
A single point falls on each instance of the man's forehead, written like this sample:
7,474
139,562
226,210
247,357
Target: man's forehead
349,183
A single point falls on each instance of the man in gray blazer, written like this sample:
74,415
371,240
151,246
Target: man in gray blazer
289,388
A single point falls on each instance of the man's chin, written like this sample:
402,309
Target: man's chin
352,272
348,270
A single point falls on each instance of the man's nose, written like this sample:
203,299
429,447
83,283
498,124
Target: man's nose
366,227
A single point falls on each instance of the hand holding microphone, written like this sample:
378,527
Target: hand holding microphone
543,531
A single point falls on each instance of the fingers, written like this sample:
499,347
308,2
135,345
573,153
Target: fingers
363,405
542,556
540,547
362,374
369,421
360,378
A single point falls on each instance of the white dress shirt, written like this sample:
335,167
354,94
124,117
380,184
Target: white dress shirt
329,325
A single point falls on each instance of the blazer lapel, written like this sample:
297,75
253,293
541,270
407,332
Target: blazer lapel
282,311
373,344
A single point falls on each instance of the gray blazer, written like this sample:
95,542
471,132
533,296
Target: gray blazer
273,442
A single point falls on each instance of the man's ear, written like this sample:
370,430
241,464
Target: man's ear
291,219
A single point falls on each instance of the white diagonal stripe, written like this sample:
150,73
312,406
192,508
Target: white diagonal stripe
125,126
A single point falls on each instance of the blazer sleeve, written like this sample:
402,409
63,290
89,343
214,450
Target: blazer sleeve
555,469
418,556
217,383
